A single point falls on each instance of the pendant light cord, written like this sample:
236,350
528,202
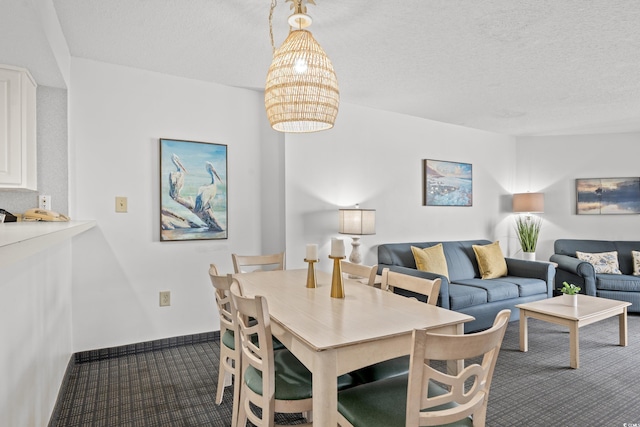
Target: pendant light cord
273,6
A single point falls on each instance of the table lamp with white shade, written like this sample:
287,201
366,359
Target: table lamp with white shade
357,222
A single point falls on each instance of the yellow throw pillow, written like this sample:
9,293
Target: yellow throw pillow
431,259
490,260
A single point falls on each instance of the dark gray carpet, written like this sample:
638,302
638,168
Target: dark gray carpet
538,388
176,386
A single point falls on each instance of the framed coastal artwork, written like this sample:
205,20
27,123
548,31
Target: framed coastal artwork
193,190
607,196
446,183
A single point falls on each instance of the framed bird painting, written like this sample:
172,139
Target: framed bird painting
193,190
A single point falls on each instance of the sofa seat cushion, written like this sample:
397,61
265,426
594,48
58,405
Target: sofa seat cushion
618,282
527,286
496,290
461,296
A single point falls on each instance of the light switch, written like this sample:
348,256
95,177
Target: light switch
121,204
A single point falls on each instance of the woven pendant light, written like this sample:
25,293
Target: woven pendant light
301,93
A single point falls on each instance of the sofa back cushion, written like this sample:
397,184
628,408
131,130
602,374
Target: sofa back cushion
570,246
625,256
461,260
624,248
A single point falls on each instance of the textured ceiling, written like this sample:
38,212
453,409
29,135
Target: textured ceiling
509,66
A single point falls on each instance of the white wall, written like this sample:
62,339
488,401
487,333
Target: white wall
117,115
374,158
551,165
35,314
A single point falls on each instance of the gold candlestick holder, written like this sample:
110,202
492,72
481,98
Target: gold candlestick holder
337,287
311,273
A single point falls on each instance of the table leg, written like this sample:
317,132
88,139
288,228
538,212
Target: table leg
524,331
574,338
325,388
622,318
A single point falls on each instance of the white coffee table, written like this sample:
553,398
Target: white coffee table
589,310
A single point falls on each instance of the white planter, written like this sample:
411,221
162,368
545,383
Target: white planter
570,300
529,256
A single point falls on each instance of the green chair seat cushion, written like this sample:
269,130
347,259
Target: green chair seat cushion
293,379
382,370
384,403
228,339
277,345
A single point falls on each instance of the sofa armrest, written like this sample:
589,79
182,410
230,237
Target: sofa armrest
533,269
577,271
444,285
573,265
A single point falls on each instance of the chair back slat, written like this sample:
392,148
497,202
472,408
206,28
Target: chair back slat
419,285
465,400
259,356
248,263
366,273
229,356
222,286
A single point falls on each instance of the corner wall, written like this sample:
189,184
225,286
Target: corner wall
117,115
551,164
374,158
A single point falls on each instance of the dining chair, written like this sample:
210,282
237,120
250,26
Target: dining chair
364,273
428,395
392,280
273,381
430,289
229,347
247,263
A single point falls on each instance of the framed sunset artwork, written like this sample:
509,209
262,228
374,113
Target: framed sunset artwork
447,183
607,196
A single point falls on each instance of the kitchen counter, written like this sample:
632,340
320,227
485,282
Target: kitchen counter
19,240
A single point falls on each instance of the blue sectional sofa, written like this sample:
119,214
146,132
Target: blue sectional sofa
622,287
464,290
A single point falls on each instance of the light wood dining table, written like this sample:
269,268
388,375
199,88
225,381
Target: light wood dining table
333,336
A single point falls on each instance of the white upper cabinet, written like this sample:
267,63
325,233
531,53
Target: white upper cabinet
18,166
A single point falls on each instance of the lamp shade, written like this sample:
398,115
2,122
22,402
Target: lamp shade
301,93
528,202
357,221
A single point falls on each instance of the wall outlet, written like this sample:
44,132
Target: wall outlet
165,298
44,202
121,204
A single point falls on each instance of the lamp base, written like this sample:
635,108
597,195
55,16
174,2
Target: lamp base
355,256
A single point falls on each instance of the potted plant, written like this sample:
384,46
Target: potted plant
570,293
528,230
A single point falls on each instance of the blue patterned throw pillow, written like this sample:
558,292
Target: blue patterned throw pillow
604,262
636,263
